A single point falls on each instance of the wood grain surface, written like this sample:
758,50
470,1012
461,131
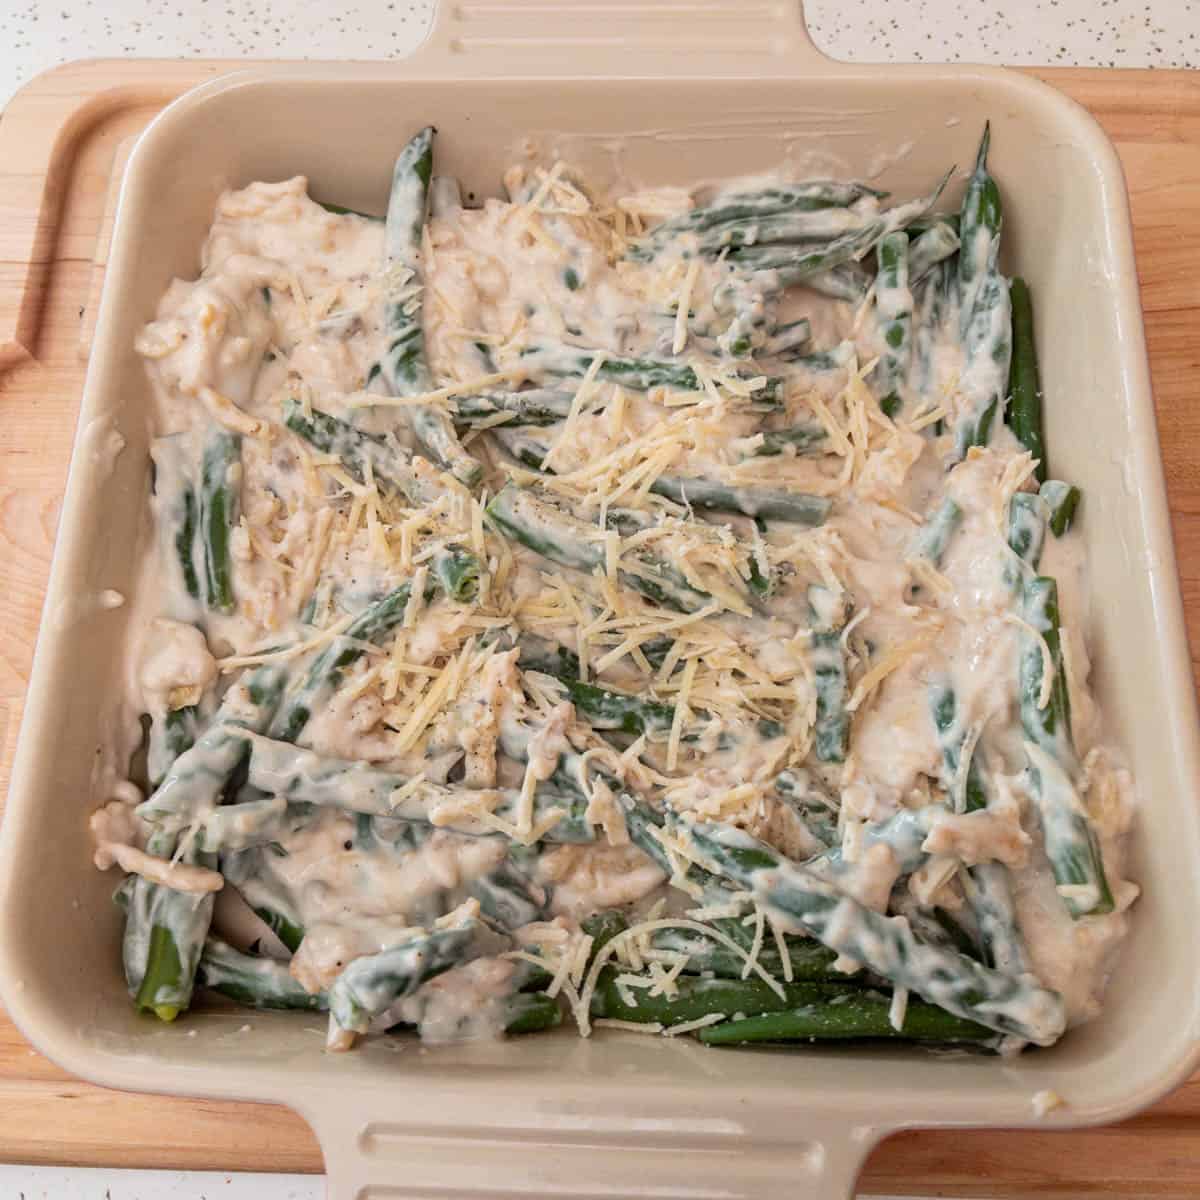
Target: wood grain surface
59,141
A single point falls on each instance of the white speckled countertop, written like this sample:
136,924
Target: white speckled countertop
36,35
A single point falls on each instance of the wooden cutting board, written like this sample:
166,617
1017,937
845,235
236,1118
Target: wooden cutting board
63,143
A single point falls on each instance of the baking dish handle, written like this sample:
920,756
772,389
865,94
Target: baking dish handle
620,37
560,1157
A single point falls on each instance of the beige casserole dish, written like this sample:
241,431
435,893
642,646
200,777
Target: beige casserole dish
682,91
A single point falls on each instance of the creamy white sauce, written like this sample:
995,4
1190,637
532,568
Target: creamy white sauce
289,306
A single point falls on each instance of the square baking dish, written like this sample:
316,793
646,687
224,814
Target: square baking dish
666,92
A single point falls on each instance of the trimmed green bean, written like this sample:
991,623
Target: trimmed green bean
637,374
1028,516
537,406
457,572
1024,411
171,733
848,282
253,981
1063,500
831,732
1070,839
930,247
358,451
519,514
767,504
220,508
327,670
405,369
808,438
985,319
727,207
850,1014
893,314
933,538
370,985
810,961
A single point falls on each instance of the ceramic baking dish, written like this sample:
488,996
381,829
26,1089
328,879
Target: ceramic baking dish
686,89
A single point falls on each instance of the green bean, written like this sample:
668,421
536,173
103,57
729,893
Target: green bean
758,502
817,811
370,985
934,536
904,833
253,981
303,777
932,315
799,901
327,670
457,572
164,931
358,451
405,369
289,932
520,515
248,871
893,314
934,925
784,341
832,729
697,998
525,449
613,710
807,438
171,733
848,281
220,507
799,261
527,1012
985,320
775,228
1050,726
507,898
850,1014
1028,516
637,374
537,406
602,927
1024,412
987,349
806,1011
196,779
1076,858
989,892
926,221
728,207
339,210
810,961
980,219
1063,500
1070,839
766,504
827,362
952,736
932,246
988,887
180,510
603,707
